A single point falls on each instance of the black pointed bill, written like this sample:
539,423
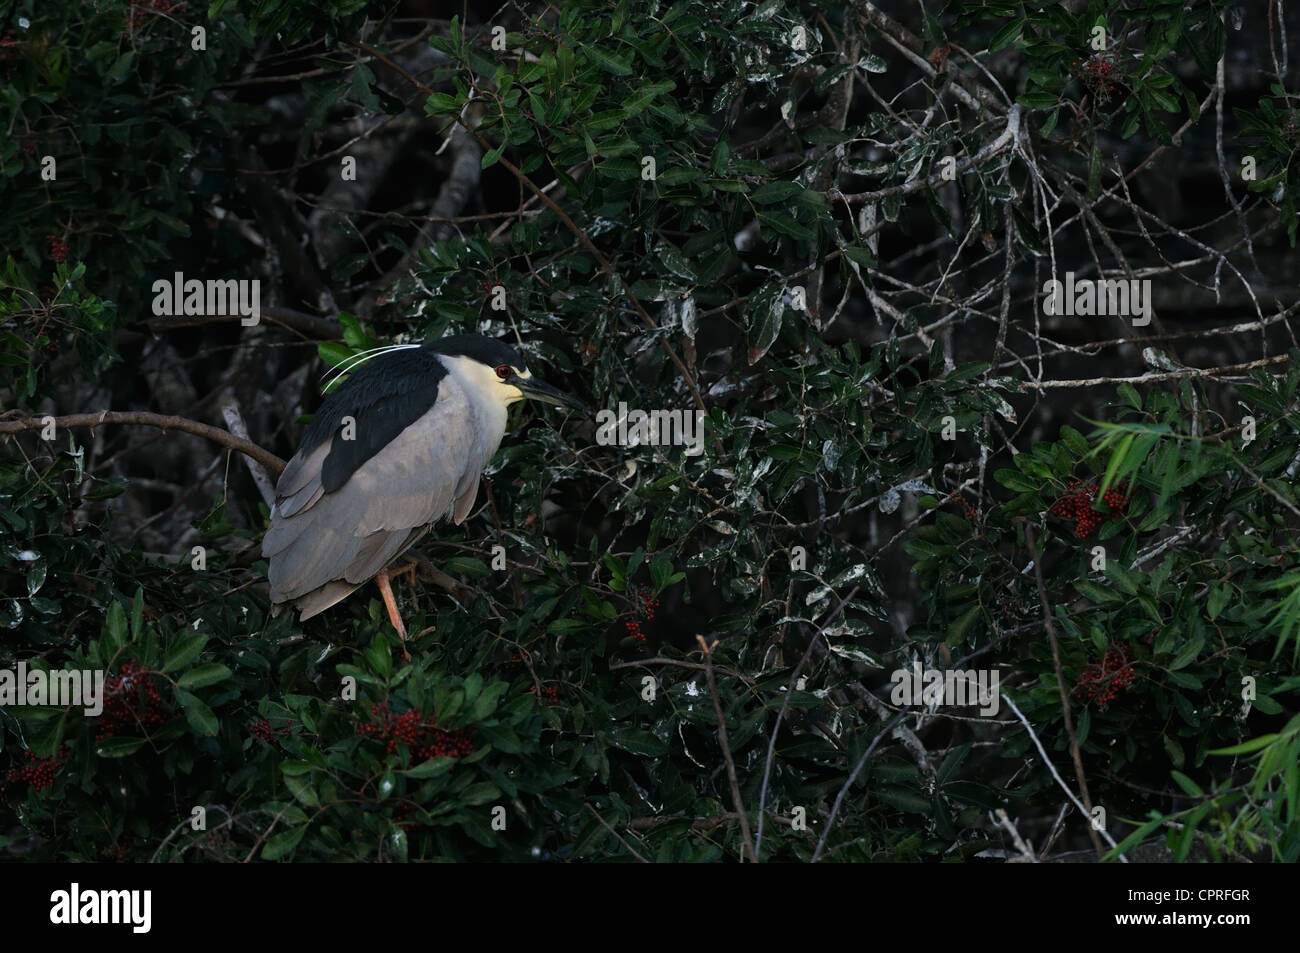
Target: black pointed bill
535,389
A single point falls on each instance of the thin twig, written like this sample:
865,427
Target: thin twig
678,663
1016,839
228,822
1163,376
1060,686
785,704
266,833
1060,780
235,423
603,823
726,749
853,776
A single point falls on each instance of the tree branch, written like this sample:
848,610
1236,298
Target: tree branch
726,751
1060,686
1162,376
327,329
235,424
146,419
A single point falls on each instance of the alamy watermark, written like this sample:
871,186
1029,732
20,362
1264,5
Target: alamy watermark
1100,296
952,687
62,689
178,296
632,428
76,906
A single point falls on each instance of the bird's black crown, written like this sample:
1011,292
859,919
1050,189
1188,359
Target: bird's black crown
485,350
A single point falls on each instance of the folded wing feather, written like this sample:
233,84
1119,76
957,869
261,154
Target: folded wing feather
323,545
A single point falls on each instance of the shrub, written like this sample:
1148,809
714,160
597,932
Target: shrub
836,254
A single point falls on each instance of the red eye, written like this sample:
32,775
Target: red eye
503,371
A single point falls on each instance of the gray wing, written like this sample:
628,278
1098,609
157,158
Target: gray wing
323,545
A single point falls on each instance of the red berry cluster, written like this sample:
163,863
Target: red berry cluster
51,344
402,812
1077,502
1101,681
37,772
418,733
29,144
549,692
646,606
968,511
262,731
58,250
132,701
1099,73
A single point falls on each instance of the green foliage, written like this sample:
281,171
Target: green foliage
1272,133
1107,51
558,712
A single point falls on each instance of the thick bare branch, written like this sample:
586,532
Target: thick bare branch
146,419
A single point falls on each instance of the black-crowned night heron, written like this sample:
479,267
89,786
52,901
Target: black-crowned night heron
400,445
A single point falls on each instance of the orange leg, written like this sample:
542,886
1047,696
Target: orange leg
408,569
390,602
